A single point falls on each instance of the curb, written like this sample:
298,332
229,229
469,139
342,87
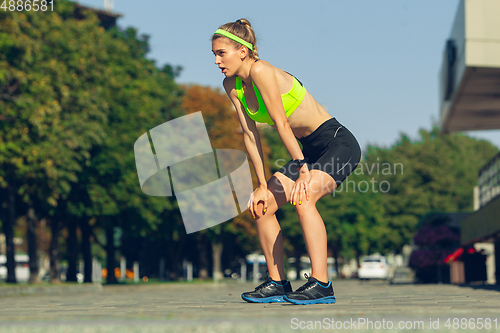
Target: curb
49,290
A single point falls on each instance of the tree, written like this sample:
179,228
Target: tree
224,132
435,173
139,96
47,131
73,99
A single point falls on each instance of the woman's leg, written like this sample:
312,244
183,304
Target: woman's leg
312,224
268,228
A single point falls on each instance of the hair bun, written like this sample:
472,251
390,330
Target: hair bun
243,29
243,21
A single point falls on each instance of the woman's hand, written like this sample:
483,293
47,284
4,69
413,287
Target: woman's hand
259,195
300,189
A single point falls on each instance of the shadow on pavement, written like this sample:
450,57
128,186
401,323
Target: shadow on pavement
494,287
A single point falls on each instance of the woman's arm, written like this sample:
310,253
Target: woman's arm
251,136
264,77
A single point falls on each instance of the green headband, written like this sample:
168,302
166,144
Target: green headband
234,37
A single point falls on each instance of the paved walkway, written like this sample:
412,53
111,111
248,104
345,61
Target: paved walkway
209,307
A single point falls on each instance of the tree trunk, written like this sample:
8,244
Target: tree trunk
72,245
32,246
297,263
8,229
87,255
357,253
216,257
202,256
54,252
175,252
110,249
336,251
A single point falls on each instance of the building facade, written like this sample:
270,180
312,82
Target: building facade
470,100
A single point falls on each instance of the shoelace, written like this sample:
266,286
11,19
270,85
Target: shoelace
264,284
307,285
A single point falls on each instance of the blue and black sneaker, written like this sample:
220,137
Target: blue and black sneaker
269,291
313,292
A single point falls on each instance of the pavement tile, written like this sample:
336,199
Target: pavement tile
217,307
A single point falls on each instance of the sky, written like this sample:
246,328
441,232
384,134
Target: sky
373,64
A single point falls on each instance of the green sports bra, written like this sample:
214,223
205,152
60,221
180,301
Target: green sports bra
291,100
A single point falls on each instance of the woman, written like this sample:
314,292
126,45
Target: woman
263,93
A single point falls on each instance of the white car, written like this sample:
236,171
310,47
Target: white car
374,267
22,267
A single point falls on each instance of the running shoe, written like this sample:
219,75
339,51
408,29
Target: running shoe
312,292
268,292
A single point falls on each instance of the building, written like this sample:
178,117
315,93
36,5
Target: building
107,18
470,100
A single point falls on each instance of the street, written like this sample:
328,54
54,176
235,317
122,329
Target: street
217,307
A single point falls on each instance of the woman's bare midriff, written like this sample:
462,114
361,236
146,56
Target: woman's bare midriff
308,116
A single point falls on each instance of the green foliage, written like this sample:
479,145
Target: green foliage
378,207
51,87
75,97
73,100
437,173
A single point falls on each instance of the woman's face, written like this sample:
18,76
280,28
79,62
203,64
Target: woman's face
227,57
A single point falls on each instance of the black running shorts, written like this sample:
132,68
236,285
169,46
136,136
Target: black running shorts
330,148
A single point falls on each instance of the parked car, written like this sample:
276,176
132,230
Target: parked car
22,267
374,267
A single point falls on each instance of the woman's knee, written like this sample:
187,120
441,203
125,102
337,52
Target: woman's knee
320,185
280,186
272,200
306,204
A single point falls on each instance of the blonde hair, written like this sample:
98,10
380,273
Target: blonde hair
243,29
